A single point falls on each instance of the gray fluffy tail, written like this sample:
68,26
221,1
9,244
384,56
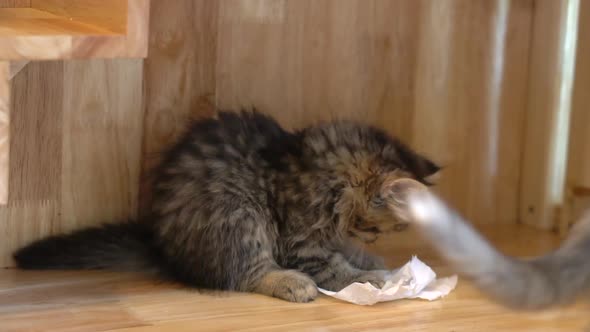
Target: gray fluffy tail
554,279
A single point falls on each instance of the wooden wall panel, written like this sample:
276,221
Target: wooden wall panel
548,111
305,61
5,102
470,98
447,76
578,163
450,77
35,163
15,3
76,148
579,148
179,74
101,141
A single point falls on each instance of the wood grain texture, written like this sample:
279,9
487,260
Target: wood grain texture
76,149
578,163
469,100
579,142
448,77
4,129
14,3
179,74
75,30
37,128
35,163
101,141
548,109
23,22
133,44
15,67
110,14
94,301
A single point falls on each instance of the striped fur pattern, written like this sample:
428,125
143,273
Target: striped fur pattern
554,279
242,204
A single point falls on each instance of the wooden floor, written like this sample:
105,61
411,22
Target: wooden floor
97,301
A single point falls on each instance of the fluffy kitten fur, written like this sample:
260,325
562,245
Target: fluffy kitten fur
241,204
554,279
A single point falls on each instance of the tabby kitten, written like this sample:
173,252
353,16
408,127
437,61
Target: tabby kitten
242,204
554,279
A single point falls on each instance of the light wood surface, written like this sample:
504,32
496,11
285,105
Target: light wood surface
110,14
60,29
24,22
4,129
76,148
447,76
94,301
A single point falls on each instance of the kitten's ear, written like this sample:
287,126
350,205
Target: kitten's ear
432,172
423,168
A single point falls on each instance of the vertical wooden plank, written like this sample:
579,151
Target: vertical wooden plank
35,163
578,162
179,74
4,129
102,133
579,143
548,111
76,148
37,126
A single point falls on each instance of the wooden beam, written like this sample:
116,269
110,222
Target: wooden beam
59,29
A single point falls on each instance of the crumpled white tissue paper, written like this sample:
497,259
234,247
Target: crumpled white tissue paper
413,280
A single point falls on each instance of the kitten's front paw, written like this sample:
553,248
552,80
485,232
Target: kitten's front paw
288,285
374,263
296,288
376,277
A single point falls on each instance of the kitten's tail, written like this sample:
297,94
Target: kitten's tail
550,280
126,246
